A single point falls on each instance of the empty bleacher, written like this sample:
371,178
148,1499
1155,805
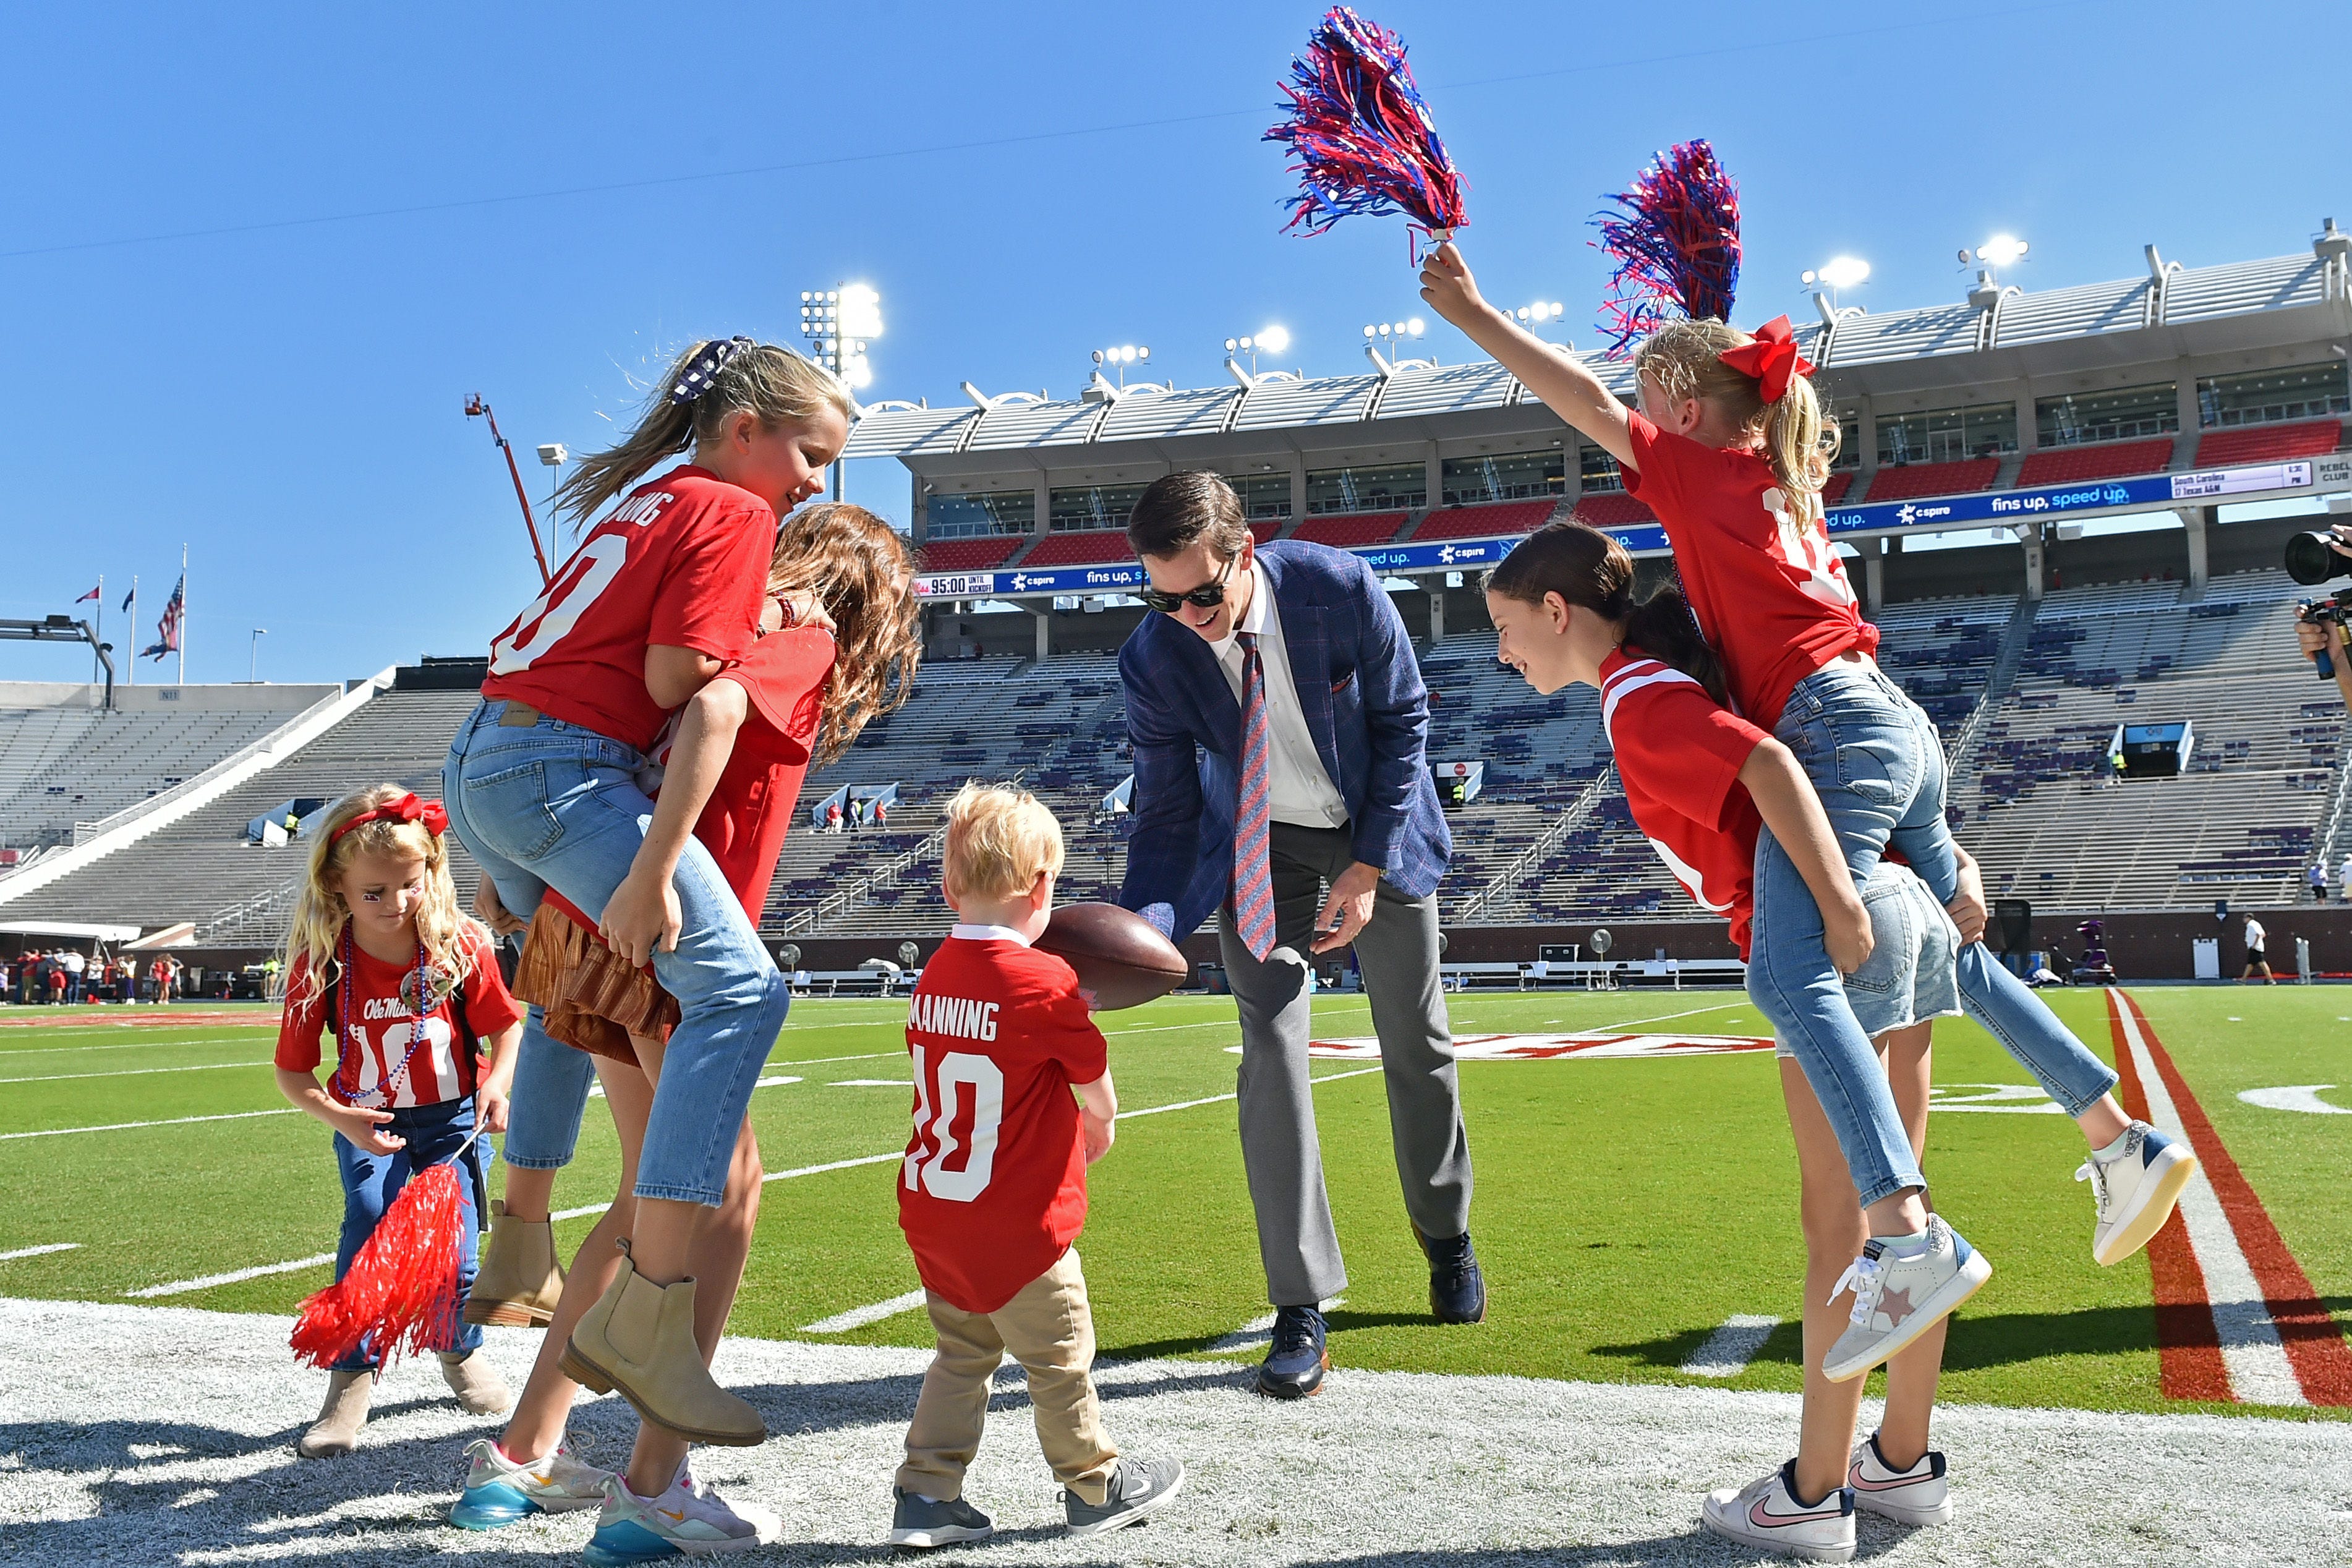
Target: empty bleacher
971,554
63,766
1086,547
1347,530
2246,444
1494,520
1614,509
2112,460
1916,479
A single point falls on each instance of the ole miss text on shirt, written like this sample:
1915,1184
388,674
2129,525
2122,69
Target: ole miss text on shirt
384,1028
1757,566
993,1187
683,563
1679,754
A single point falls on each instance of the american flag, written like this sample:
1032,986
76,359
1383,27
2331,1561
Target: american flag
167,630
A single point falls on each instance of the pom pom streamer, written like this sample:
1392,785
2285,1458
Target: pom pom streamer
1360,136
400,1294
1675,241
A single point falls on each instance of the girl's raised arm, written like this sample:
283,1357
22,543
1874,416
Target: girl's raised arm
1566,387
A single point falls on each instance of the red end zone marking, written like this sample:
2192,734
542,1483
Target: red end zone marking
2314,1343
258,1017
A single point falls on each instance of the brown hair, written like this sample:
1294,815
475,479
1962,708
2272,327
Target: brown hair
860,567
999,840
1589,569
774,382
1684,358
1178,509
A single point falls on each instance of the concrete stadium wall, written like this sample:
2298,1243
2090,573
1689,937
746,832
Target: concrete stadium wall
264,697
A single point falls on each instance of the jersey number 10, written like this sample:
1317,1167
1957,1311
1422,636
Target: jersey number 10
959,1073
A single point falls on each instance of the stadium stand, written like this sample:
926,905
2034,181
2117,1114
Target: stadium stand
2115,460
1614,509
971,554
1083,548
1917,479
1344,530
1494,520
2269,443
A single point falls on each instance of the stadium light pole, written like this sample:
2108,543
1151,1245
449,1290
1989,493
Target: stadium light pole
253,656
1119,358
838,323
1537,314
1395,335
554,454
1273,339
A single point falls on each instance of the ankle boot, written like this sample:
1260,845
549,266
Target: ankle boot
337,1429
639,1339
475,1382
519,1281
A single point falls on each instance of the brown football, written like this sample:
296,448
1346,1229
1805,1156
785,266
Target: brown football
1119,956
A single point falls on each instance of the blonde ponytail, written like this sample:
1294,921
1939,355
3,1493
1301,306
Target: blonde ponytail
774,382
1684,358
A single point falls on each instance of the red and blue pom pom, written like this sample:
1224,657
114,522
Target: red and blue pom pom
1675,241
1360,134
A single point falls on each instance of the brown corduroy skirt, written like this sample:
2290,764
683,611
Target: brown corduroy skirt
593,998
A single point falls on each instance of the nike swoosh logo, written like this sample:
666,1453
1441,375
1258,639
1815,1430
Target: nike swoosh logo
1864,1483
673,1518
1758,1516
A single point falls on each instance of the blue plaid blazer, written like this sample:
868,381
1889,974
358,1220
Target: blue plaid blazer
1365,706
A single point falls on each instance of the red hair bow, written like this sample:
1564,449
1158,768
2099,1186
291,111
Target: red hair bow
1771,358
407,808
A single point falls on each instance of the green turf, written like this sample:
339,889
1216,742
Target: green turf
1624,1207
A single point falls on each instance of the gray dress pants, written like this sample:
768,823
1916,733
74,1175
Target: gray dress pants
1397,950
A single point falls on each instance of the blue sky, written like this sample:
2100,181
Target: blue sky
259,256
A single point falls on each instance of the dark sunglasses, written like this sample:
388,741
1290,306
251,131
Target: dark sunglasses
1208,595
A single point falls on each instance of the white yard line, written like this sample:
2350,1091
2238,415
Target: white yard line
37,1251
167,1121
132,1072
858,1317
167,1043
1220,1099
1730,1348
182,1287
2260,1373
871,1083
597,1090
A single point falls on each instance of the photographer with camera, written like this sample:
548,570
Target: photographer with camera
2319,624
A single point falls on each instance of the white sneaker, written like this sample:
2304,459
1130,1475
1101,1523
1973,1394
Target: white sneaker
1898,1297
2135,1191
679,1523
500,1492
1766,1513
767,1526
1919,1495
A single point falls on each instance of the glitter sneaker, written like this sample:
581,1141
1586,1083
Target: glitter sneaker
1899,1295
500,1492
2135,1191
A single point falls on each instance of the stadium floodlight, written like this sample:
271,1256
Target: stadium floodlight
1125,354
2001,250
860,311
1838,272
1542,310
554,454
1272,340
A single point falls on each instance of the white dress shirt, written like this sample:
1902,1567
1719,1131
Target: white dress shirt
1301,792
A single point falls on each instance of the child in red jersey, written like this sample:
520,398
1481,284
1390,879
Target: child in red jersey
994,1188
378,953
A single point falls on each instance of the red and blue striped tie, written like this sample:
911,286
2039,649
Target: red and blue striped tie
1253,813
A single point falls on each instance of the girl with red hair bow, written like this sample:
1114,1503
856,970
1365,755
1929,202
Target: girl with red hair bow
377,955
1728,447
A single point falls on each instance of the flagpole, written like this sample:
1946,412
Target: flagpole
184,615
132,664
101,627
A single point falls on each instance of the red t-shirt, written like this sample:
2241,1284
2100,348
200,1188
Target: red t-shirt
682,563
1776,609
993,1187
1679,754
384,1027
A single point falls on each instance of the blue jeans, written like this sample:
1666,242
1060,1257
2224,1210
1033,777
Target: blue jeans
556,806
550,1093
1876,763
372,1180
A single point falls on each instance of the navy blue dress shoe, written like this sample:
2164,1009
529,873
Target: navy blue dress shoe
1294,1365
1457,1291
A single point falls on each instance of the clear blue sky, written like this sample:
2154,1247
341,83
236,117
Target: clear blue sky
206,345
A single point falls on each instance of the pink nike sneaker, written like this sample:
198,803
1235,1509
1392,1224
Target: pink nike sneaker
1767,1514
1919,1495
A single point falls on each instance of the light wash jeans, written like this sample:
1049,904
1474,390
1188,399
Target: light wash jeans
550,1093
1876,763
556,806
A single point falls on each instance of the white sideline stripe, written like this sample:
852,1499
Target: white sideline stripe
597,1090
1730,1348
1258,1331
37,1251
133,1072
167,1121
167,1042
871,1083
182,1287
1220,1099
858,1317
2250,1351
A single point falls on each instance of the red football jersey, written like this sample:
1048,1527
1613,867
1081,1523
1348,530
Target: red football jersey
993,1187
1679,754
383,1028
1766,584
682,563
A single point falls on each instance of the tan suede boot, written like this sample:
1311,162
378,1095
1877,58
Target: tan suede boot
475,1382
337,1429
639,1339
520,1281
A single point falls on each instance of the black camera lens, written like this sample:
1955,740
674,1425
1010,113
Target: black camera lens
2310,560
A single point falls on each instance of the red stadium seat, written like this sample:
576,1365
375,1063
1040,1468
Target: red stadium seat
2269,443
1345,530
1614,509
1933,479
1833,490
1261,531
2072,465
1086,548
970,554
1494,521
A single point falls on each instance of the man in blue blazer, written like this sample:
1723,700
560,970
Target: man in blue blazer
1279,724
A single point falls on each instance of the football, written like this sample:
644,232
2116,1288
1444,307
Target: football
1119,956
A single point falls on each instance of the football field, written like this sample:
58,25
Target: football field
1637,1192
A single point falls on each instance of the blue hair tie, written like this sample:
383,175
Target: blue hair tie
696,379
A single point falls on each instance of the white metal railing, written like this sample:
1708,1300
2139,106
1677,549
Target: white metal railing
862,889
261,918
1509,879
